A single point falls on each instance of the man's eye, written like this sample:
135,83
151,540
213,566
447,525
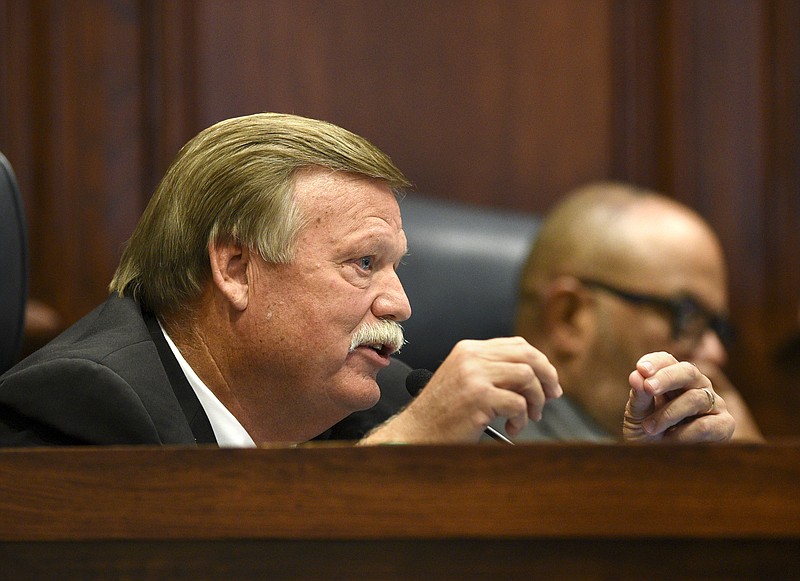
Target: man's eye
365,262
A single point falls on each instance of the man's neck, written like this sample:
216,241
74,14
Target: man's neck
600,400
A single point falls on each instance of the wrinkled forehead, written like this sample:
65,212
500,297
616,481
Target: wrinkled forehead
329,197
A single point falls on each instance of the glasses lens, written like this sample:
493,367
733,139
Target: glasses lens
724,330
693,322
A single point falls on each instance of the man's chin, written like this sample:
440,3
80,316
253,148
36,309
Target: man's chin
360,393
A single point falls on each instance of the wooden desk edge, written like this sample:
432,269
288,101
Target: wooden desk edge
400,492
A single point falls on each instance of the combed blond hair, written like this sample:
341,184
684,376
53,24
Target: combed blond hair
234,181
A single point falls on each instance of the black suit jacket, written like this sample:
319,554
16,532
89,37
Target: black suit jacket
110,379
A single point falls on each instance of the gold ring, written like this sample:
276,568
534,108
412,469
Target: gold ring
712,400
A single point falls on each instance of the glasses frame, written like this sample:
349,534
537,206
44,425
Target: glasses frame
681,308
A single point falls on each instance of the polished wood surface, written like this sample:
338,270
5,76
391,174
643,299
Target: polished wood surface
399,511
401,492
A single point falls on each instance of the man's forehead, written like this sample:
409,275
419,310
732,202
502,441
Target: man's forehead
338,201
323,186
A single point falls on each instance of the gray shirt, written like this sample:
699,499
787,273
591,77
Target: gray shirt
562,420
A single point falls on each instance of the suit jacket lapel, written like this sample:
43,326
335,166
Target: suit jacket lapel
194,412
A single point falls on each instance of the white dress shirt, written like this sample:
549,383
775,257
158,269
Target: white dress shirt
227,429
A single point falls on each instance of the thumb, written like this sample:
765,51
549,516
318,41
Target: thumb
640,405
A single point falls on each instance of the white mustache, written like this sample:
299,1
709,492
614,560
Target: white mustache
385,332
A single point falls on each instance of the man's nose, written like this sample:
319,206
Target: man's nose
711,349
392,303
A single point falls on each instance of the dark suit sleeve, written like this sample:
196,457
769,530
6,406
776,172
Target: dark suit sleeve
394,397
72,401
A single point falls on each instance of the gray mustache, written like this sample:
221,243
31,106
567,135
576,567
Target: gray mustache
384,332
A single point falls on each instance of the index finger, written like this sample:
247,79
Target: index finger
506,350
518,350
662,373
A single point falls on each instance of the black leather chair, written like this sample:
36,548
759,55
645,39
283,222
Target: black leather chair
13,267
461,275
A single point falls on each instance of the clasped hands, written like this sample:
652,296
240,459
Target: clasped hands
507,377
673,401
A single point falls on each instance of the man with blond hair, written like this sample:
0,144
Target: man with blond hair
258,299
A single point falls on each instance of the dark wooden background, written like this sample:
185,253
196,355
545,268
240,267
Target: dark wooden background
505,103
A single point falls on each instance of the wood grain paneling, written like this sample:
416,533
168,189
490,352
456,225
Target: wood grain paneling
722,142
638,98
496,87
781,198
80,148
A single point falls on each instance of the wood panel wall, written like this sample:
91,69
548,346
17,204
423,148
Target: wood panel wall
506,103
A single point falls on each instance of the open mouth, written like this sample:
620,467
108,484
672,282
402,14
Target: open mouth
384,350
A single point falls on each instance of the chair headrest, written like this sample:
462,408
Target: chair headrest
13,266
461,275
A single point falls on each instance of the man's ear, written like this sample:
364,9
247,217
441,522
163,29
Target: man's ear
229,271
568,317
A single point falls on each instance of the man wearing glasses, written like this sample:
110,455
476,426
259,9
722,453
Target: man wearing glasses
616,272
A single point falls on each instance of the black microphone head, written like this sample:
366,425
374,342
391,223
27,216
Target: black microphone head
417,379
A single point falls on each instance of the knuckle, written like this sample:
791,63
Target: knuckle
663,356
667,375
691,370
526,373
464,346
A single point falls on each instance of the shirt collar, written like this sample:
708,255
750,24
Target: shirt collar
227,429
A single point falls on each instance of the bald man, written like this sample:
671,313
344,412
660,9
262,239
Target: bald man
616,272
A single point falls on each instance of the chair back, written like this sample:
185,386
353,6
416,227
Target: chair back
461,275
13,267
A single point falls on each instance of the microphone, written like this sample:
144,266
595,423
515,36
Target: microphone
418,378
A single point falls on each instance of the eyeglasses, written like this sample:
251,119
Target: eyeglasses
689,319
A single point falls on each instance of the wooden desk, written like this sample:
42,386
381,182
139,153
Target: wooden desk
402,512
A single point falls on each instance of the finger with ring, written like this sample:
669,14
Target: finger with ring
712,400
